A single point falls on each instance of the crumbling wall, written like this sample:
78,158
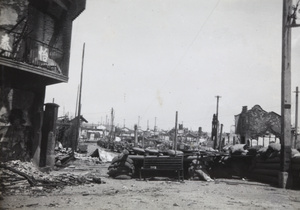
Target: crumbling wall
256,122
16,124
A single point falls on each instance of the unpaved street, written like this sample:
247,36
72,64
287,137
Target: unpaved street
158,194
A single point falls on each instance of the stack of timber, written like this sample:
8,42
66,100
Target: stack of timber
266,165
295,170
266,170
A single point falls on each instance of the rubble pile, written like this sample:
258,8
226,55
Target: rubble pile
121,166
17,176
102,155
62,155
87,159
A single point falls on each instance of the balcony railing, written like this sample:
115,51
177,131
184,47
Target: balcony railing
23,49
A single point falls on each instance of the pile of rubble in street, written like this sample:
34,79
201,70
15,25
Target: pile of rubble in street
19,177
70,169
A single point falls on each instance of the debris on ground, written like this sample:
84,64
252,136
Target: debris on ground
121,167
103,155
17,176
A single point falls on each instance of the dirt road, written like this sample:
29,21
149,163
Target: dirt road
158,194
161,193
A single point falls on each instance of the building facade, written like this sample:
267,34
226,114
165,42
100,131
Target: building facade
35,40
257,123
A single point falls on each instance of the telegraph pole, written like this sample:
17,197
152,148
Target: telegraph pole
296,118
289,16
79,105
215,125
175,138
76,108
285,95
220,139
112,130
135,135
147,125
217,112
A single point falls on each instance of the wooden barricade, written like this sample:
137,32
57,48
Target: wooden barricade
163,163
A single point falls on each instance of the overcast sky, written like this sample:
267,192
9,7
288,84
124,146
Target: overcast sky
148,59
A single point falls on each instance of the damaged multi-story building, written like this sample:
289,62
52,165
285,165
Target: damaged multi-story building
35,41
257,124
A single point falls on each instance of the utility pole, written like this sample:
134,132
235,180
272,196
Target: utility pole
217,112
175,137
285,153
79,105
220,139
215,125
76,108
112,136
135,136
289,16
296,117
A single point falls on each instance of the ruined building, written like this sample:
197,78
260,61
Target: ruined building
35,40
256,123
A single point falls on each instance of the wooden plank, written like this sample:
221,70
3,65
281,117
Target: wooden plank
295,167
275,166
163,164
295,159
269,160
268,172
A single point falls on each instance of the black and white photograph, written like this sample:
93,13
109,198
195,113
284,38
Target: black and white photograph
149,104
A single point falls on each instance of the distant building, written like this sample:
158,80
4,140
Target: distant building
257,124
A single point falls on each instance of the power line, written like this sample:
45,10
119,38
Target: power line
188,48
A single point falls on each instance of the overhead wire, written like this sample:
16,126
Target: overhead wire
187,49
